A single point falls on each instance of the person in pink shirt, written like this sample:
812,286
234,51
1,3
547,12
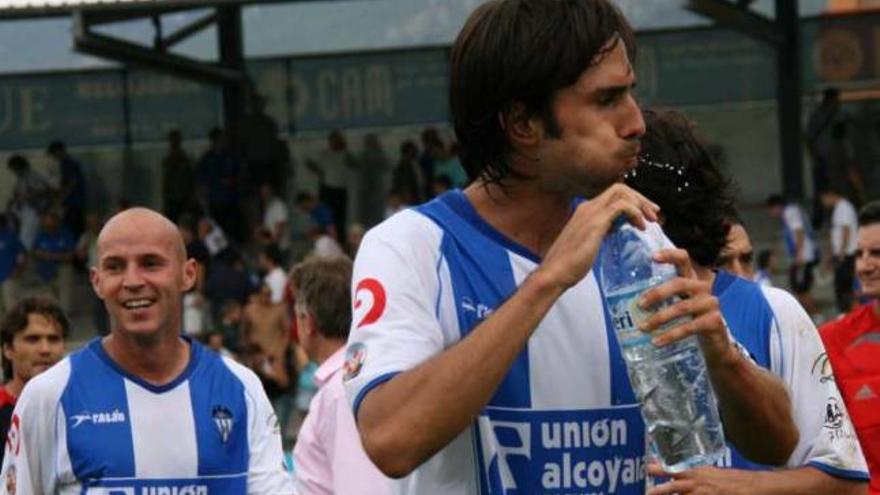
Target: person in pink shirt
328,456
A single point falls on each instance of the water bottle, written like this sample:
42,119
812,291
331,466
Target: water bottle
670,382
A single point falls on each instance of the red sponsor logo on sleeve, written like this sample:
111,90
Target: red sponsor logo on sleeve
13,438
377,305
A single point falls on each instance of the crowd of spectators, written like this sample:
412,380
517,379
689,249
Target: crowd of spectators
230,207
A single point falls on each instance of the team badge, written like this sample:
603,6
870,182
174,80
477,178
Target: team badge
355,356
223,420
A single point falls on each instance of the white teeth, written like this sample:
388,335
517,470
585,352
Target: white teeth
137,303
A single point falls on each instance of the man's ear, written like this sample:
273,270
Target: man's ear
95,279
524,131
190,272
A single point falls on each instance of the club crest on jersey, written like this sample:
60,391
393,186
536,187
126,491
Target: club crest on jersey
223,420
355,356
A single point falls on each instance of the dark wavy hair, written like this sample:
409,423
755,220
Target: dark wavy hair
869,214
521,53
323,288
16,320
697,202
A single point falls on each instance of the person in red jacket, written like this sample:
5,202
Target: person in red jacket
853,346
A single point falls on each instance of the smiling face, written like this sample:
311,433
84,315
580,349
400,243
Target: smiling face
600,124
142,273
36,348
868,259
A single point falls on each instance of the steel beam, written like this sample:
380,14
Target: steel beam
789,98
739,18
130,53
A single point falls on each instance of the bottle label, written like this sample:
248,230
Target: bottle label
626,315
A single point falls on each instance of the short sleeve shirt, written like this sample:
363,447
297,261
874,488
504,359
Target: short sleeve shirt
422,281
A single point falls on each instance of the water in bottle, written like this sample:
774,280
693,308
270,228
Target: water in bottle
671,382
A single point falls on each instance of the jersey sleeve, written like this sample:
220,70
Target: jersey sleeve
827,440
395,292
31,444
266,470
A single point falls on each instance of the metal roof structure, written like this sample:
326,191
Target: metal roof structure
19,9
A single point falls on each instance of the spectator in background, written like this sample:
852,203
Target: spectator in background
328,456
178,178
801,247
737,255
353,238
766,267
265,340
273,228
430,143
446,163
229,325
54,251
13,256
408,180
32,334
226,280
31,197
72,191
87,256
374,165
271,264
219,175
853,344
266,154
214,340
820,145
332,166
324,245
844,226
394,203
844,175
441,184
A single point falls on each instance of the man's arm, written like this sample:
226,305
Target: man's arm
717,481
400,422
799,246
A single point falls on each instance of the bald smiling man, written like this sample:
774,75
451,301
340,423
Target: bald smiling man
144,410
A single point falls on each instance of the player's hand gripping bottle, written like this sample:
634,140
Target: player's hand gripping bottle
671,382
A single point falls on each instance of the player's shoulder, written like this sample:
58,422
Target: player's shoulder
780,299
405,225
848,321
248,379
47,388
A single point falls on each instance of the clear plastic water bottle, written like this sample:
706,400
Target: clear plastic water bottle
671,382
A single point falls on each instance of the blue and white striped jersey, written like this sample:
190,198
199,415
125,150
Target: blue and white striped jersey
781,337
87,427
564,419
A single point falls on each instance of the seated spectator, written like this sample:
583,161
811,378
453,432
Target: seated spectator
32,333
328,456
54,250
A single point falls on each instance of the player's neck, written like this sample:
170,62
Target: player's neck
157,361
522,212
14,386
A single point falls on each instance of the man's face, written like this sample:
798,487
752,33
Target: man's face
36,348
600,125
737,256
868,259
141,276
